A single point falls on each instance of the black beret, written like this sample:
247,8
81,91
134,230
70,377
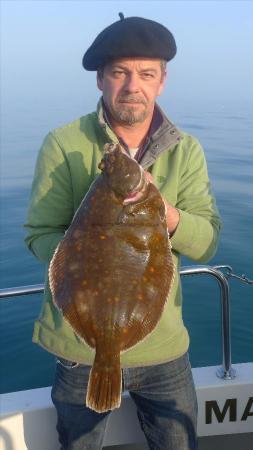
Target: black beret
130,37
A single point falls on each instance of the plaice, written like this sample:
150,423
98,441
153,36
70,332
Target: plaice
112,273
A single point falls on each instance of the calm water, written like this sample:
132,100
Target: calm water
225,131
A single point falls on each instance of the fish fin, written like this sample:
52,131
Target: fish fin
57,274
104,386
62,285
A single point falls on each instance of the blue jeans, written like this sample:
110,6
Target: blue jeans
164,395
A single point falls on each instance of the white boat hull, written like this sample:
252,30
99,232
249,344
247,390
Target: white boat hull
28,418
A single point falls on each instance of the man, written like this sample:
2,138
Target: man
130,59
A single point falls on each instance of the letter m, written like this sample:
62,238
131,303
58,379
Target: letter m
212,406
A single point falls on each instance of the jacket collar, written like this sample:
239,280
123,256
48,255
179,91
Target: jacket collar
163,135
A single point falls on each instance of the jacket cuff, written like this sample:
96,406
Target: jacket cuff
194,237
182,238
45,246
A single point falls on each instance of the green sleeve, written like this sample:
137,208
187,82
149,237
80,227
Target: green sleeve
50,208
198,230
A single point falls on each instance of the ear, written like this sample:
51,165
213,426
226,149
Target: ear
99,82
162,83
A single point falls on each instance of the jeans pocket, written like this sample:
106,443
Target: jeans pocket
66,363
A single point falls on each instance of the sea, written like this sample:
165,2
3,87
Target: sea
224,129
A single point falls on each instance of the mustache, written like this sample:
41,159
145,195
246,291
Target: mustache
131,99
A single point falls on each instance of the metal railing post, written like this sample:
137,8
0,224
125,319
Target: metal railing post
226,371
21,290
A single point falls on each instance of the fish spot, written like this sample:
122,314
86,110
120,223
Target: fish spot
73,266
125,330
92,341
84,282
77,234
82,308
151,269
80,295
140,297
116,299
102,237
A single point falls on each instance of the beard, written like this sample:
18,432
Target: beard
124,110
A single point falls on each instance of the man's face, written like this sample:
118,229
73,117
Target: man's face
130,87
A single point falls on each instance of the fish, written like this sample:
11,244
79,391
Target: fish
112,272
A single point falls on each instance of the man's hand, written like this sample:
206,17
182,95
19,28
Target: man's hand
149,176
172,218
172,214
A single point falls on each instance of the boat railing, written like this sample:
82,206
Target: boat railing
226,371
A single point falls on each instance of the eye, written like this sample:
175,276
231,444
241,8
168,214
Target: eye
147,75
118,73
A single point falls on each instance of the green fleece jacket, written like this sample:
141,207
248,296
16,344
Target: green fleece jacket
66,166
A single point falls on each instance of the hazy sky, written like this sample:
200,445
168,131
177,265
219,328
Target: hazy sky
42,44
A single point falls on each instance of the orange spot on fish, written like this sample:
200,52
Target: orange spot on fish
125,330
140,297
102,237
84,282
151,269
116,299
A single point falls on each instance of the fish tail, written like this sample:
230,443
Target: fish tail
104,386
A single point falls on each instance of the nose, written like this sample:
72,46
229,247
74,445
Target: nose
131,83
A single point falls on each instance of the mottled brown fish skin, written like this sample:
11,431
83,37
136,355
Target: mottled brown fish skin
112,273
